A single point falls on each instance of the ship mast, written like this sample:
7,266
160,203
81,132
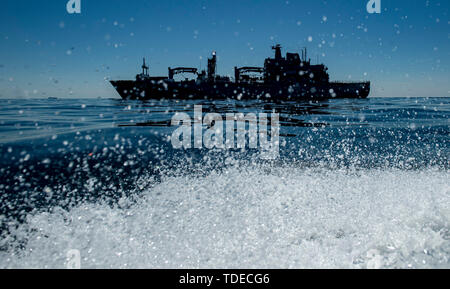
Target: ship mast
212,66
144,69
277,49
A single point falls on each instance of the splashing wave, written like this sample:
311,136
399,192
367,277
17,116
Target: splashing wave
256,216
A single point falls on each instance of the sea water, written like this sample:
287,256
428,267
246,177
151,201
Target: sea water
357,184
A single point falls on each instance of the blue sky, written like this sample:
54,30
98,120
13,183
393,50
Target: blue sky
44,51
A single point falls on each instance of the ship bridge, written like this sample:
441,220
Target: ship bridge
293,68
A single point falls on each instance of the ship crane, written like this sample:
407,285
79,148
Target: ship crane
244,70
177,70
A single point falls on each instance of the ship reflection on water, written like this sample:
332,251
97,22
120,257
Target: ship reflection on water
291,114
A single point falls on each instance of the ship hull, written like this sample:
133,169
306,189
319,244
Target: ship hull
169,89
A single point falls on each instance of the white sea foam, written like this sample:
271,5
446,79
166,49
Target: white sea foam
255,216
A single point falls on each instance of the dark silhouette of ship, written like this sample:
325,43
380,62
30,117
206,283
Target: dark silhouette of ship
282,78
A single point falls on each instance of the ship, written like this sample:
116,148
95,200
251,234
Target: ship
289,78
